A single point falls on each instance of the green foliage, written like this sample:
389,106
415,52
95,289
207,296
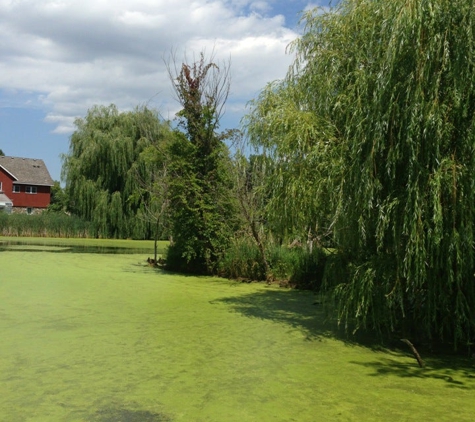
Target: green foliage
376,122
2,153
108,157
298,266
251,195
201,205
59,200
47,224
201,208
307,268
300,152
243,260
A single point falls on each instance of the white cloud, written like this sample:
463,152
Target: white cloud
71,55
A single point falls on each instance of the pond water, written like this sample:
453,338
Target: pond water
61,245
106,338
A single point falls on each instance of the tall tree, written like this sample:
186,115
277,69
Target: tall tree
100,170
2,153
200,194
151,170
249,173
387,94
301,159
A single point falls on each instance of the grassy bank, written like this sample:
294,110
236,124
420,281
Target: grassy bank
91,337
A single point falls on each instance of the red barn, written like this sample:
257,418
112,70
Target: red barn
25,185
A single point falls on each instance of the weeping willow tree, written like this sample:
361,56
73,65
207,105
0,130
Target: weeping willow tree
107,156
375,121
301,152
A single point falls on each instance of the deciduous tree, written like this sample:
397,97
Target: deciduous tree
100,170
202,208
381,99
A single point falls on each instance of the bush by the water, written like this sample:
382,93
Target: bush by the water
242,260
299,266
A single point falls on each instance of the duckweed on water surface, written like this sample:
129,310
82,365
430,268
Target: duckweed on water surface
102,338
81,245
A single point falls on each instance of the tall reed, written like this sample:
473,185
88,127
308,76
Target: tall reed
243,260
300,267
45,225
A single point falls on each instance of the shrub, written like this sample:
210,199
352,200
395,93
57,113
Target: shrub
298,266
242,260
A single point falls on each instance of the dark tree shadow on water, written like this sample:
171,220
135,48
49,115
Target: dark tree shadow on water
300,310
303,311
456,372
128,415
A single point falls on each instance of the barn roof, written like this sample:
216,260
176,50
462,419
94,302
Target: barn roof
30,171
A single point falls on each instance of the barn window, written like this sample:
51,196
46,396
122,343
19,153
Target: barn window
31,189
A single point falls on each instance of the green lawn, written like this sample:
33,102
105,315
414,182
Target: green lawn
105,338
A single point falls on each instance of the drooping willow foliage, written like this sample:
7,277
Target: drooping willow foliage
108,168
293,140
376,123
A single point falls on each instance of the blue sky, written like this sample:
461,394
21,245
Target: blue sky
58,58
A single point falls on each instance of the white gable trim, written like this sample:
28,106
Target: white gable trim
8,172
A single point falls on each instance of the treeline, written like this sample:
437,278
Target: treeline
360,182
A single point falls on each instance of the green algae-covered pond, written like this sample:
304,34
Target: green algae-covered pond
102,337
